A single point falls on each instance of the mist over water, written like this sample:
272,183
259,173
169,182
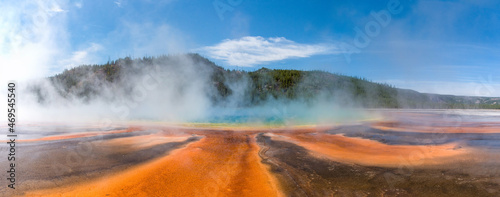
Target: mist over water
293,113
173,89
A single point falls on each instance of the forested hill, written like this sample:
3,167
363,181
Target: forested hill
223,86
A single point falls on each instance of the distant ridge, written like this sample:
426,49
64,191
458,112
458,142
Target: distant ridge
256,87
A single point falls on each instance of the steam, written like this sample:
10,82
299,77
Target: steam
174,88
157,92
35,44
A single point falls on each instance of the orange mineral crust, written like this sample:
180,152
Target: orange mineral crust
372,153
223,163
136,143
400,157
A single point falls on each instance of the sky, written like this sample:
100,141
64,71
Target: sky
445,47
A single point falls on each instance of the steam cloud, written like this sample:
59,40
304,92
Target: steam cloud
179,92
174,88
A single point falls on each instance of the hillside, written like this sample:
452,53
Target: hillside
222,86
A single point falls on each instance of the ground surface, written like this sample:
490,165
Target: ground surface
407,153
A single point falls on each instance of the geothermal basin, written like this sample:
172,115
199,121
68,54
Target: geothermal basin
398,153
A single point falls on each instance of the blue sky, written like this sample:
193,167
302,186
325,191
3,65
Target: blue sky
447,47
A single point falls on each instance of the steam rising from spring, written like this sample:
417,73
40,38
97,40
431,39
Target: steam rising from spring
174,88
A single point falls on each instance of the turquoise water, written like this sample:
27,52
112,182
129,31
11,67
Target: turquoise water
282,116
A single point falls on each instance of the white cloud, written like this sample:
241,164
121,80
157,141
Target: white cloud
56,8
254,50
32,37
34,41
84,56
119,3
78,4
